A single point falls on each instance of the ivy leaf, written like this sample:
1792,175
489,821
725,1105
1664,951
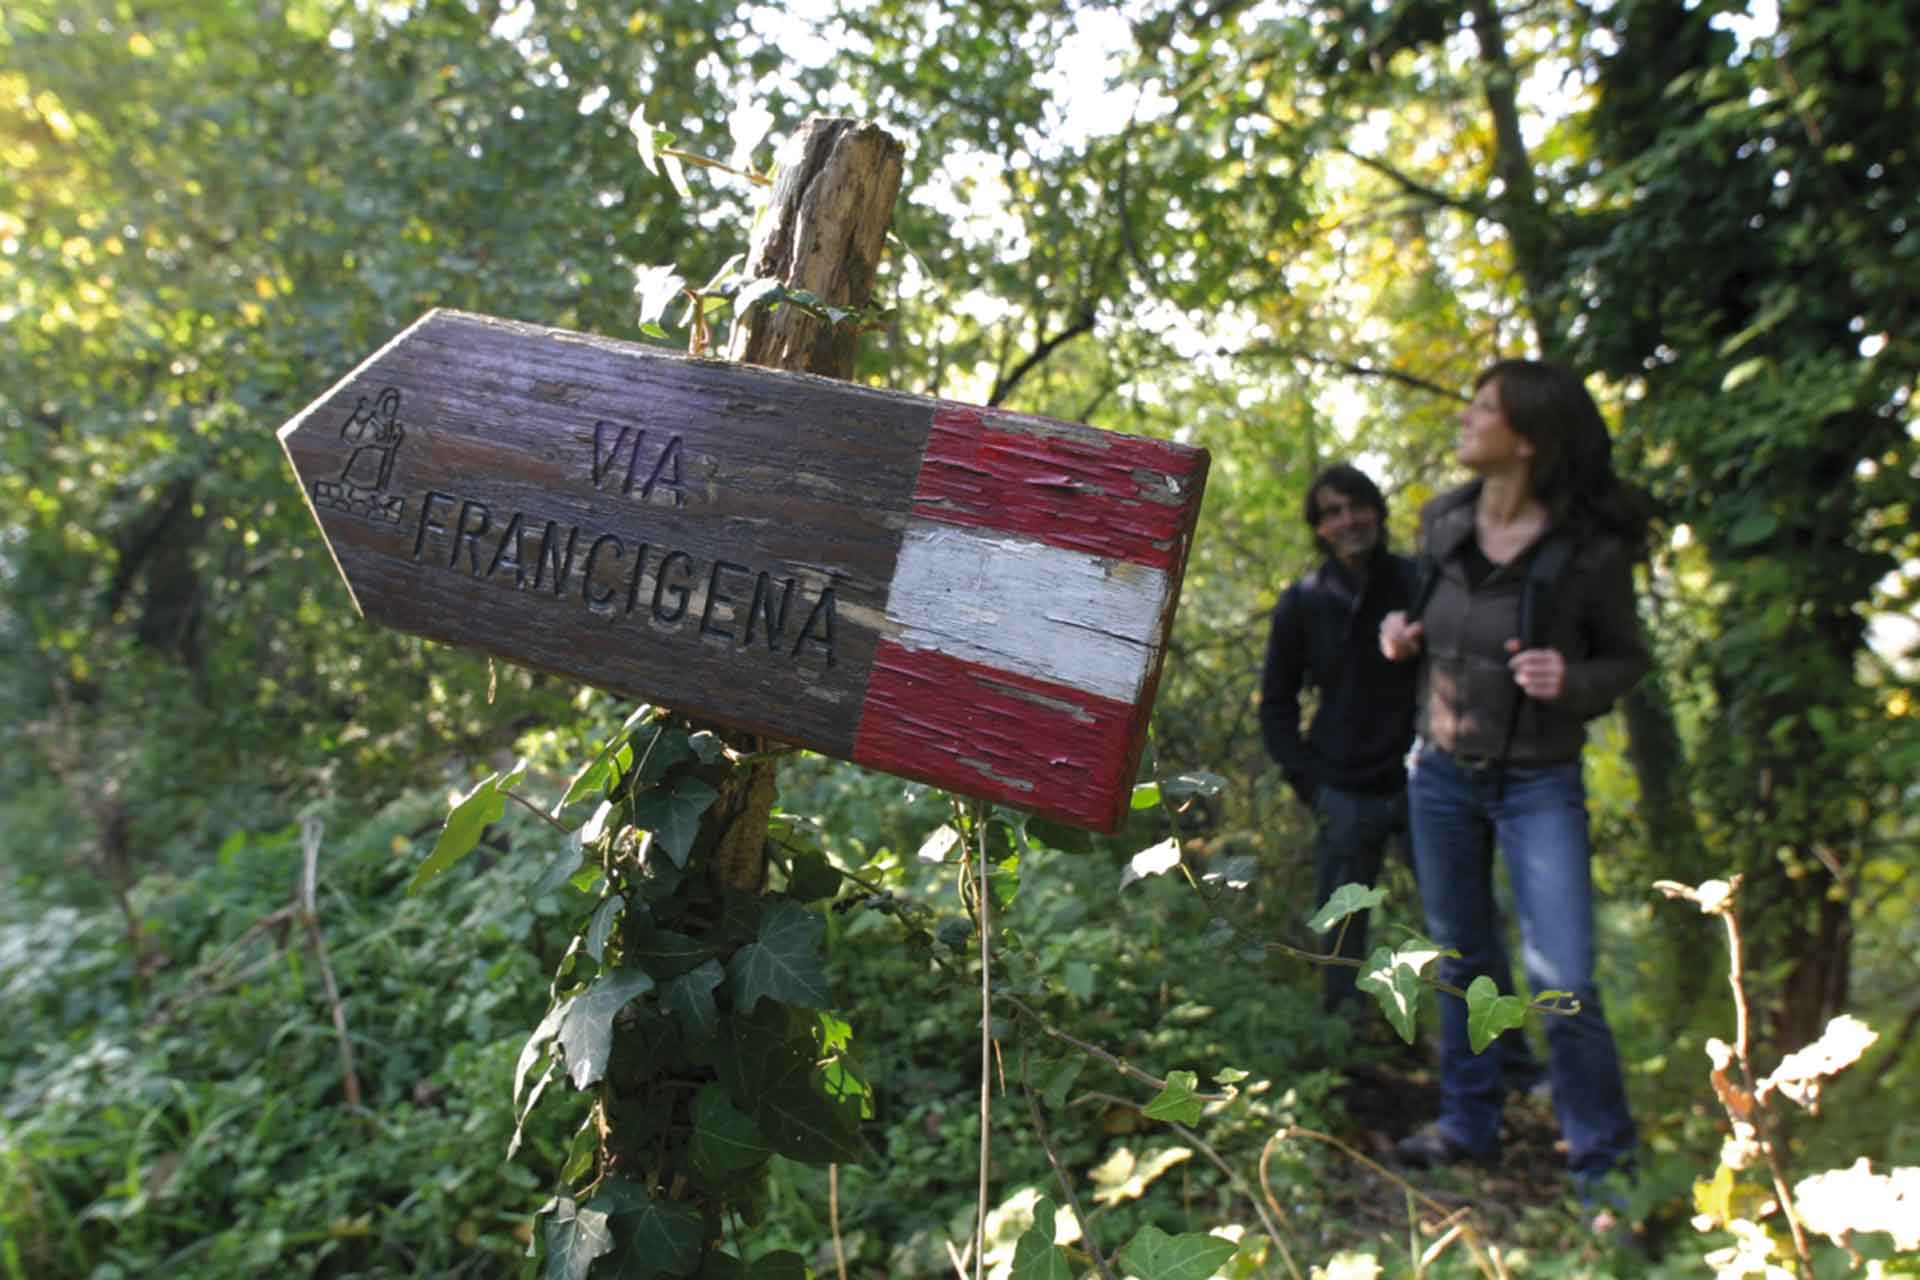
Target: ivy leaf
1345,901
936,847
601,926
580,1153
1197,783
547,1077
1055,835
725,1140
1489,1013
812,877
1152,861
1176,1101
666,746
674,815
608,763
650,1237
1193,1255
666,954
1057,1079
763,289
677,175
575,1236
656,287
770,1074
586,1033
1003,882
472,814
562,868
646,135
530,1054
688,999
1036,1256
1393,979
1124,1176
784,963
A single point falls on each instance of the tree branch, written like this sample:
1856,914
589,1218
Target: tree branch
1004,385
1430,194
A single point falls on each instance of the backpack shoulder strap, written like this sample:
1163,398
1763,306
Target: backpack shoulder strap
1426,576
1544,571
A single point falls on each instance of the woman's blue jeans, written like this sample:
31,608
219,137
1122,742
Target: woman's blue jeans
1538,817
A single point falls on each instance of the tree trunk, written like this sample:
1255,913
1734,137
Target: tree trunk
824,231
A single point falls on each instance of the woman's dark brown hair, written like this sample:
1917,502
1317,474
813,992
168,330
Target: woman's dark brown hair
1572,470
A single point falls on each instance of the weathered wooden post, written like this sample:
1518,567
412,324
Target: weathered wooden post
823,231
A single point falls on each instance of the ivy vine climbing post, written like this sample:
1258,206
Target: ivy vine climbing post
823,231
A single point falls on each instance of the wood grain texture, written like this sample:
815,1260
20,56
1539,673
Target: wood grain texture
824,231
727,541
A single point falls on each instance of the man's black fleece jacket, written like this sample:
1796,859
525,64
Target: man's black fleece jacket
1326,635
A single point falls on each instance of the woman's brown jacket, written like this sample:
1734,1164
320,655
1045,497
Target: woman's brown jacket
1467,694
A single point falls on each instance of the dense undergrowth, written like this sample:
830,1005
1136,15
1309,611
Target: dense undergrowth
182,1108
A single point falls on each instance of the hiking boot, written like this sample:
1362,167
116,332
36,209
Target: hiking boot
1431,1148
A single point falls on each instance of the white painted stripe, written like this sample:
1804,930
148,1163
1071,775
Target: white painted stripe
1020,605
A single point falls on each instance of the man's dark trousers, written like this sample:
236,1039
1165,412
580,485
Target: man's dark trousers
1351,832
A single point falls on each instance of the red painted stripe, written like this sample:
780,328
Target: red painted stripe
1047,748
1066,485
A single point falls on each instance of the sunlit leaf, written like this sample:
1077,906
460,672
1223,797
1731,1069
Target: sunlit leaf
1176,1101
1124,1176
1035,1255
1152,861
467,822
648,138
600,928
1489,1013
656,288
747,125
1347,900
586,1033
1152,1254
1393,978
939,846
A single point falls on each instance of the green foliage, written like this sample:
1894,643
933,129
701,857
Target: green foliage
1489,1013
683,1008
204,1126
1191,1256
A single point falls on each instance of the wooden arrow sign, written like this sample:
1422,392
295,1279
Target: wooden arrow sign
975,599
